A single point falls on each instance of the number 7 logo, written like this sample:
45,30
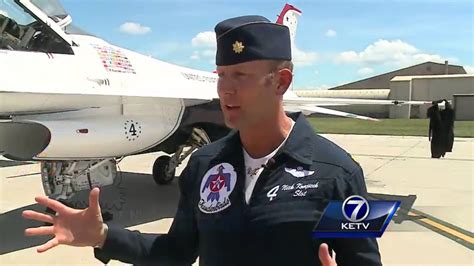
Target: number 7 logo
355,208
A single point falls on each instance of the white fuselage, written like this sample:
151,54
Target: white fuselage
96,69
88,99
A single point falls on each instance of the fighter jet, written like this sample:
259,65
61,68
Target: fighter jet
79,104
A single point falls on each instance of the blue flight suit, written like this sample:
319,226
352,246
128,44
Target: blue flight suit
214,222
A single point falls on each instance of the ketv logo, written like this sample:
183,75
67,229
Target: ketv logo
355,217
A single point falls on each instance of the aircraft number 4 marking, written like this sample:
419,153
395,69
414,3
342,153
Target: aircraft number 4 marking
133,130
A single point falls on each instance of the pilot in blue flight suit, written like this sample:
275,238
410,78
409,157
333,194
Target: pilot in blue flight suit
254,196
220,218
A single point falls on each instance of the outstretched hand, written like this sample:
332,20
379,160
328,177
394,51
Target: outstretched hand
70,226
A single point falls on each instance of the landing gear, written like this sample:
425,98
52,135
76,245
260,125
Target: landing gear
161,173
164,168
62,179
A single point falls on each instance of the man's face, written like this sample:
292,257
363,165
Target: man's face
246,92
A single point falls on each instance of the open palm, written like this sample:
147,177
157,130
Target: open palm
70,226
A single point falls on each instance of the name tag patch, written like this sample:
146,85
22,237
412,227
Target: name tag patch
295,190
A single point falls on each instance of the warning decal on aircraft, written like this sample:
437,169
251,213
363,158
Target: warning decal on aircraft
114,60
133,130
195,77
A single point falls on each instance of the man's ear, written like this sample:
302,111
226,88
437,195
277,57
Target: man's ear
285,78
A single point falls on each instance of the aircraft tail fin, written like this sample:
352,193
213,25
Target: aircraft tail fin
289,17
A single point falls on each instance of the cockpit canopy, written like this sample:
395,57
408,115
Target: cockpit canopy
52,8
21,29
56,12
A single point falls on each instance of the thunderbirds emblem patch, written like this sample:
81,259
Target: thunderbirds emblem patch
216,186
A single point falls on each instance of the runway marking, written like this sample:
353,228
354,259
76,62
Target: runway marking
446,229
393,158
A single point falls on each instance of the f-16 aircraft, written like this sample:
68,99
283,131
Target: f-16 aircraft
79,104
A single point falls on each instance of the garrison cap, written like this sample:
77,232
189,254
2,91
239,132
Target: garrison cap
248,38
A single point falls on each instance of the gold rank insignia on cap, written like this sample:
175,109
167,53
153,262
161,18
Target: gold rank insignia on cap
238,47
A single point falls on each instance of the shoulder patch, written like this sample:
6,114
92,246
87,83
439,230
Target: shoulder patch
216,186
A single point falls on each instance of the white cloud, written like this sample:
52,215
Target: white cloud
2,12
134,28
469,69
301,58
365,71
347,57
209,53
205,43
204,39
331,33
396,52
195,56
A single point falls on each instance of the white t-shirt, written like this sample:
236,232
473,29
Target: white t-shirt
253,167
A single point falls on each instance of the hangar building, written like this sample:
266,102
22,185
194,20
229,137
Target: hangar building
427,81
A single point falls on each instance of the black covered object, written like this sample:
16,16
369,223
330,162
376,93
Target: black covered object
249,38
436,132
447,117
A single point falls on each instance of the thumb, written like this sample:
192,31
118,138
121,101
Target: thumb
94,200
324,256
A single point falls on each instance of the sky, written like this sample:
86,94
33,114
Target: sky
337,41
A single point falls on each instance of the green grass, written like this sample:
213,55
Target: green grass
397,127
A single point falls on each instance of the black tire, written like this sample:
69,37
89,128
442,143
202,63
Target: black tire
160,169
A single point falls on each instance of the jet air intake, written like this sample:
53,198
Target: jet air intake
21,141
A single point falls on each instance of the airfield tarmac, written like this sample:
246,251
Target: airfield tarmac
435,230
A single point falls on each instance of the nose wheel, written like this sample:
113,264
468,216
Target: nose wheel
164,168
162,172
